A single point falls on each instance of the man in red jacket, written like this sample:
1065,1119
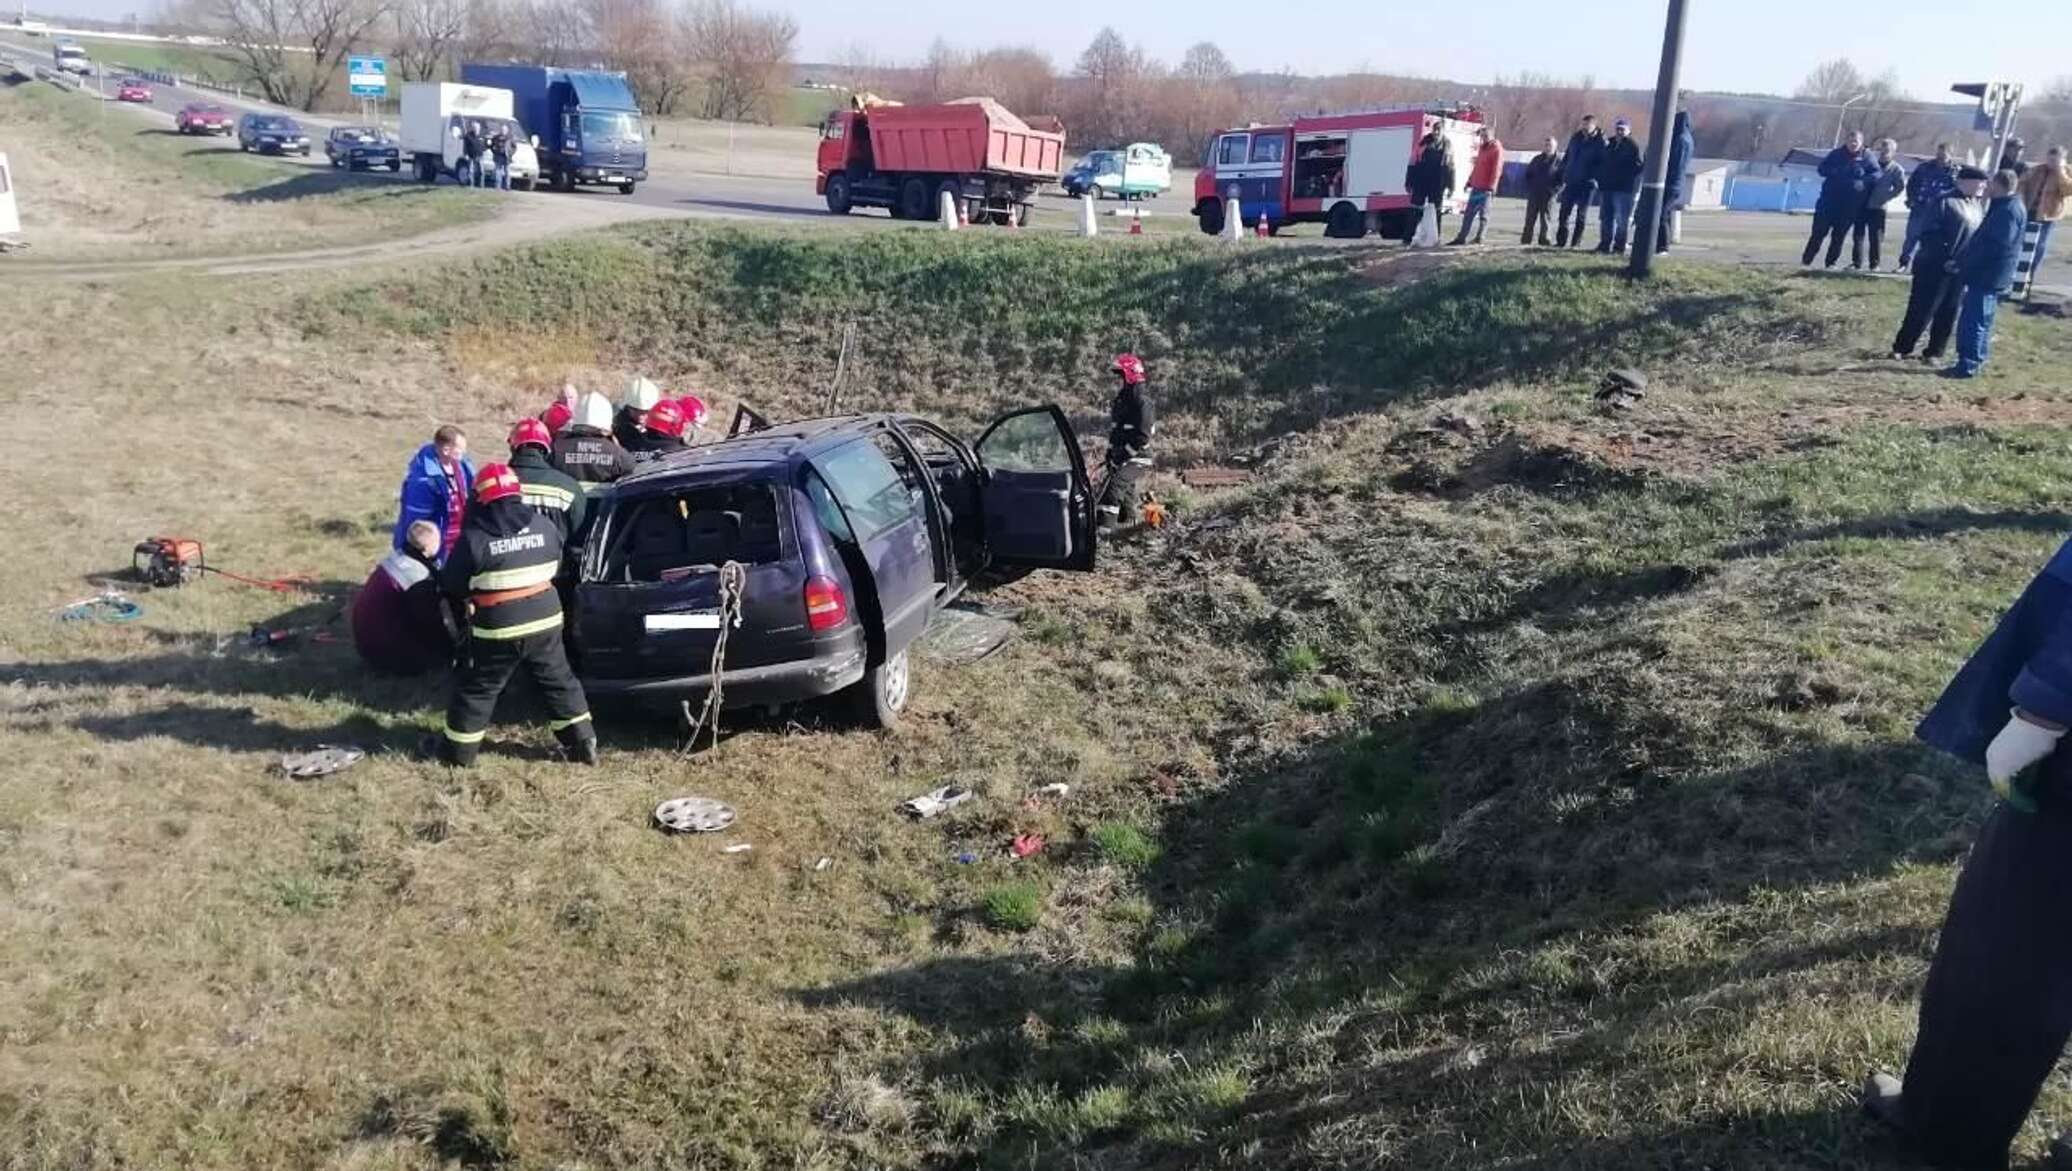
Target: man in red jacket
1483,176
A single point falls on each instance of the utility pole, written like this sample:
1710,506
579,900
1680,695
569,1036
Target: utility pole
1648,214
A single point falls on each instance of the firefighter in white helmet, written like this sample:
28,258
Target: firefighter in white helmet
585,449
630,423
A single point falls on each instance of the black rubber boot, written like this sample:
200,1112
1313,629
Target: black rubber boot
583,751
1883,1102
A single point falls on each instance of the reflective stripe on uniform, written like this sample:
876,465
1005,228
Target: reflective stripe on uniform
520,630
558,725
459,737
548,496
514,579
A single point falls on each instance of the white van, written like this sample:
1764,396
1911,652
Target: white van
437,114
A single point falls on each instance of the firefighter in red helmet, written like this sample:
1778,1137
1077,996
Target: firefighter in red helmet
547,488
503,568
1130,426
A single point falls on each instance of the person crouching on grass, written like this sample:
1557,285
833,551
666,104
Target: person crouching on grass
400,623
1997,1007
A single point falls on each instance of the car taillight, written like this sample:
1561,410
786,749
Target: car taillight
826,608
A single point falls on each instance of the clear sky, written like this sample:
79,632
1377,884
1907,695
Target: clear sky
1754,45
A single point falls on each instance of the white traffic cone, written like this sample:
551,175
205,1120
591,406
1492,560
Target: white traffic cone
1233,220
948,213
1087,226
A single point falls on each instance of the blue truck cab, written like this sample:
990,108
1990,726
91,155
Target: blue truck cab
587,121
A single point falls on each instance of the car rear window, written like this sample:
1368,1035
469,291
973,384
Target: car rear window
672,534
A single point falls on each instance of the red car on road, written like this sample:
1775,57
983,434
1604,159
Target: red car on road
132,90
201,119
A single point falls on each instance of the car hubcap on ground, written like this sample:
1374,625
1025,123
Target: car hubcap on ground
896,682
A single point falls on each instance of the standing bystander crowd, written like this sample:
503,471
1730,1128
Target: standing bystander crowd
1483,175
1845,180
1887,185
1987,268
2043,191
1930,184
1932,302
472,144
1579,179
1542,181
1618,179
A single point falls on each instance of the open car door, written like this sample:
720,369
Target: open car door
1037,502
747,420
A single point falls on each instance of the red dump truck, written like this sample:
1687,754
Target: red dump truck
879,154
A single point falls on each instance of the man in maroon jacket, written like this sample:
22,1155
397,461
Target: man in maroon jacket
399,621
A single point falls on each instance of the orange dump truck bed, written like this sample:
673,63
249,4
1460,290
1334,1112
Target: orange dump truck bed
962,138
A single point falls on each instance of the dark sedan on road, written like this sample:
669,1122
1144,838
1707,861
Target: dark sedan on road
199,118
358,148
271,134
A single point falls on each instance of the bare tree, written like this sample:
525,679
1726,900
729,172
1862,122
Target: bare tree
1108,105
1021,78
1204,97
267,38
490,31
427,32
1833,82
744,56
635,36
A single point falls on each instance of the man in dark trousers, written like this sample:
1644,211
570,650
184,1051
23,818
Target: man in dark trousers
1997,1006
472,144
1429,180
1579,179
1618,181
1888,182
1130,427
1681,144
1930,184
1542,183
1845,179
1986,266
585,449
553,492
1932,303
504,570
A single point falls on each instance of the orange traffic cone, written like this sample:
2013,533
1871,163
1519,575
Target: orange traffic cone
1262,233
1137,224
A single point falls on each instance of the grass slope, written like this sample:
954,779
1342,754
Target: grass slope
1491,783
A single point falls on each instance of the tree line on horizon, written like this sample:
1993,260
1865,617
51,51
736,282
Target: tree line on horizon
728,60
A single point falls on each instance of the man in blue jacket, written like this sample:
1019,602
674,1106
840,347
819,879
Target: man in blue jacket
1888,180
435,488
1930,184
1986,266
1997,1007
1680,148
1618,181
1845,180
1579,179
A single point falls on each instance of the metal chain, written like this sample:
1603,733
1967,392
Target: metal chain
733,582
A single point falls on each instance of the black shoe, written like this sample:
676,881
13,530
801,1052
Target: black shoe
583,751
1882,1101
1543,242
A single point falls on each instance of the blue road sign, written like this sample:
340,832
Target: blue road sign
367,76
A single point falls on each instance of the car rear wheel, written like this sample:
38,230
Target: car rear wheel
395,164
1097,193
882,695
1210,216
625,188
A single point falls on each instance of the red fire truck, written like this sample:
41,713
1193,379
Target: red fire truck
1345,171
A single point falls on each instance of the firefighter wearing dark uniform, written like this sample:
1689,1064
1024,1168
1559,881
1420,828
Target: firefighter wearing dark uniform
586,451
504,567
1130,426
548,489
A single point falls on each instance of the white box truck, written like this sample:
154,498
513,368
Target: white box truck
436,117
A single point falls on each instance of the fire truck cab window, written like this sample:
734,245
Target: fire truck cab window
1268,148
1231,151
